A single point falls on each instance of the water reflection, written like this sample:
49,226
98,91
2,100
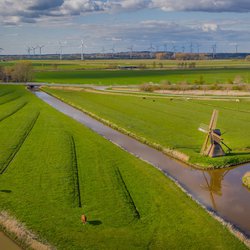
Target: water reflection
213,183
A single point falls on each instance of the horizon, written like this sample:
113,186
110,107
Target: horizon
119,25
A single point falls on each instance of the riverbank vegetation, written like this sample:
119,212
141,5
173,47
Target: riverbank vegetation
53,169
246,179
170,124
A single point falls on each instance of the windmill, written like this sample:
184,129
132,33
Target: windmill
174,50
82,48
236,48
113,50
214,50
131,51
212,144
34,50
40,47
60,50
151,49
28,50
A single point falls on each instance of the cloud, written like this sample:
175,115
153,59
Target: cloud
30,11
202,5
206,27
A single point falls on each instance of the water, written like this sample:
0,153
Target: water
219,190
7,244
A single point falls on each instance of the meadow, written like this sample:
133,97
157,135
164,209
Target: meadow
170,123
107,72
136,77
53,169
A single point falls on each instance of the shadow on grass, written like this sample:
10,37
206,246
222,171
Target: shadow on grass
94,222
6,191
240,153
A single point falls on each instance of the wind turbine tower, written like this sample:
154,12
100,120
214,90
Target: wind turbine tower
40,47
61,50
34,50
113,50
236,48
151,49
131,51
82,49
214,50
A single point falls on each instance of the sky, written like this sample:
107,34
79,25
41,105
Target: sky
122,25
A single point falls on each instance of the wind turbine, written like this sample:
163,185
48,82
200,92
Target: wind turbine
183,48
174,50
113,50
61,50
214,49
1,49
151,49
34,50
236,48
131,51
28,50
82,48
40,47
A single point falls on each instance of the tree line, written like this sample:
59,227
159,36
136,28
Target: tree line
20,72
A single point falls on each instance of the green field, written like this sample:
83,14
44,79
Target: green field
53,169
135,77
41,65
171,123
106,72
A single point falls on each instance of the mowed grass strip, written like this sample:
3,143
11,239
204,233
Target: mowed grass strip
41,191
171,122
136,77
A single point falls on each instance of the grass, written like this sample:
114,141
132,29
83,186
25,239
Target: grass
106,72
129,204
170,123
135,77
246,179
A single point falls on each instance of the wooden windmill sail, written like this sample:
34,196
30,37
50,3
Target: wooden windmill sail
212,144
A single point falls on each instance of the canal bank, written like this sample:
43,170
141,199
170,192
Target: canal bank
220,191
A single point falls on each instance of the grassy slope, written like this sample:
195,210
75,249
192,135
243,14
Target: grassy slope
126,77
39,187
172,124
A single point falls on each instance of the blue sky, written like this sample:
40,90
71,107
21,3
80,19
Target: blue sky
103,25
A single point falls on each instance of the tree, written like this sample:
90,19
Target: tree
22,72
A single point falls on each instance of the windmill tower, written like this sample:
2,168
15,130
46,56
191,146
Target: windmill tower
151,49
212,144
40,47
34,50
131,50
61,50
82,48
174,50
236,48
214,50
112,51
